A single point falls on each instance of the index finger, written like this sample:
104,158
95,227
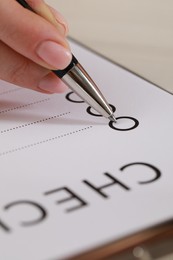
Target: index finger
47,12
33,36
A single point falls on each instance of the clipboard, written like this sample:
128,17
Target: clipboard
144,243
150,244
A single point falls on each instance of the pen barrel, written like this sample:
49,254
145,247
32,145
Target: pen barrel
25,4
80,82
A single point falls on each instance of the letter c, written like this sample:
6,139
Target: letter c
156,171
42,211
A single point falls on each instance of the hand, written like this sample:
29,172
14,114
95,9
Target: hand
30,46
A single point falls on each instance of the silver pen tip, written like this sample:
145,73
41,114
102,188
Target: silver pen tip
112,118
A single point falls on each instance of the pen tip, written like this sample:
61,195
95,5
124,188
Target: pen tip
112,118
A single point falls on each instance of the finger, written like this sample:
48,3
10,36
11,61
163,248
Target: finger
51,84
50,14
20,71
32,36
60,20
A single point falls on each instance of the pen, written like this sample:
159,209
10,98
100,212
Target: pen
78,80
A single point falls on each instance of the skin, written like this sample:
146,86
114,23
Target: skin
33,44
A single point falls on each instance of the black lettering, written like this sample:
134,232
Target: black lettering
40,209
73,196
71,99
99,189
157,174
4,227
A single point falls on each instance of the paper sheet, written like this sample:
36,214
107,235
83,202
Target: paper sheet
69,180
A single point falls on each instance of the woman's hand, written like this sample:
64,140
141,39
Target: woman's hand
31,46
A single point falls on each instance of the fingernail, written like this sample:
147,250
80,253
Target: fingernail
54,54
52,84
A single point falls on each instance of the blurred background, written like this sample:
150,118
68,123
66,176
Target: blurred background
134,33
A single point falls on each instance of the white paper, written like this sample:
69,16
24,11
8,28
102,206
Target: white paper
52,149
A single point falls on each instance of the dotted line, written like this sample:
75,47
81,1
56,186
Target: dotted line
44,141
33,123
22,106
9,91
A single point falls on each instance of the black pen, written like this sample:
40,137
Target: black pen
78,80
